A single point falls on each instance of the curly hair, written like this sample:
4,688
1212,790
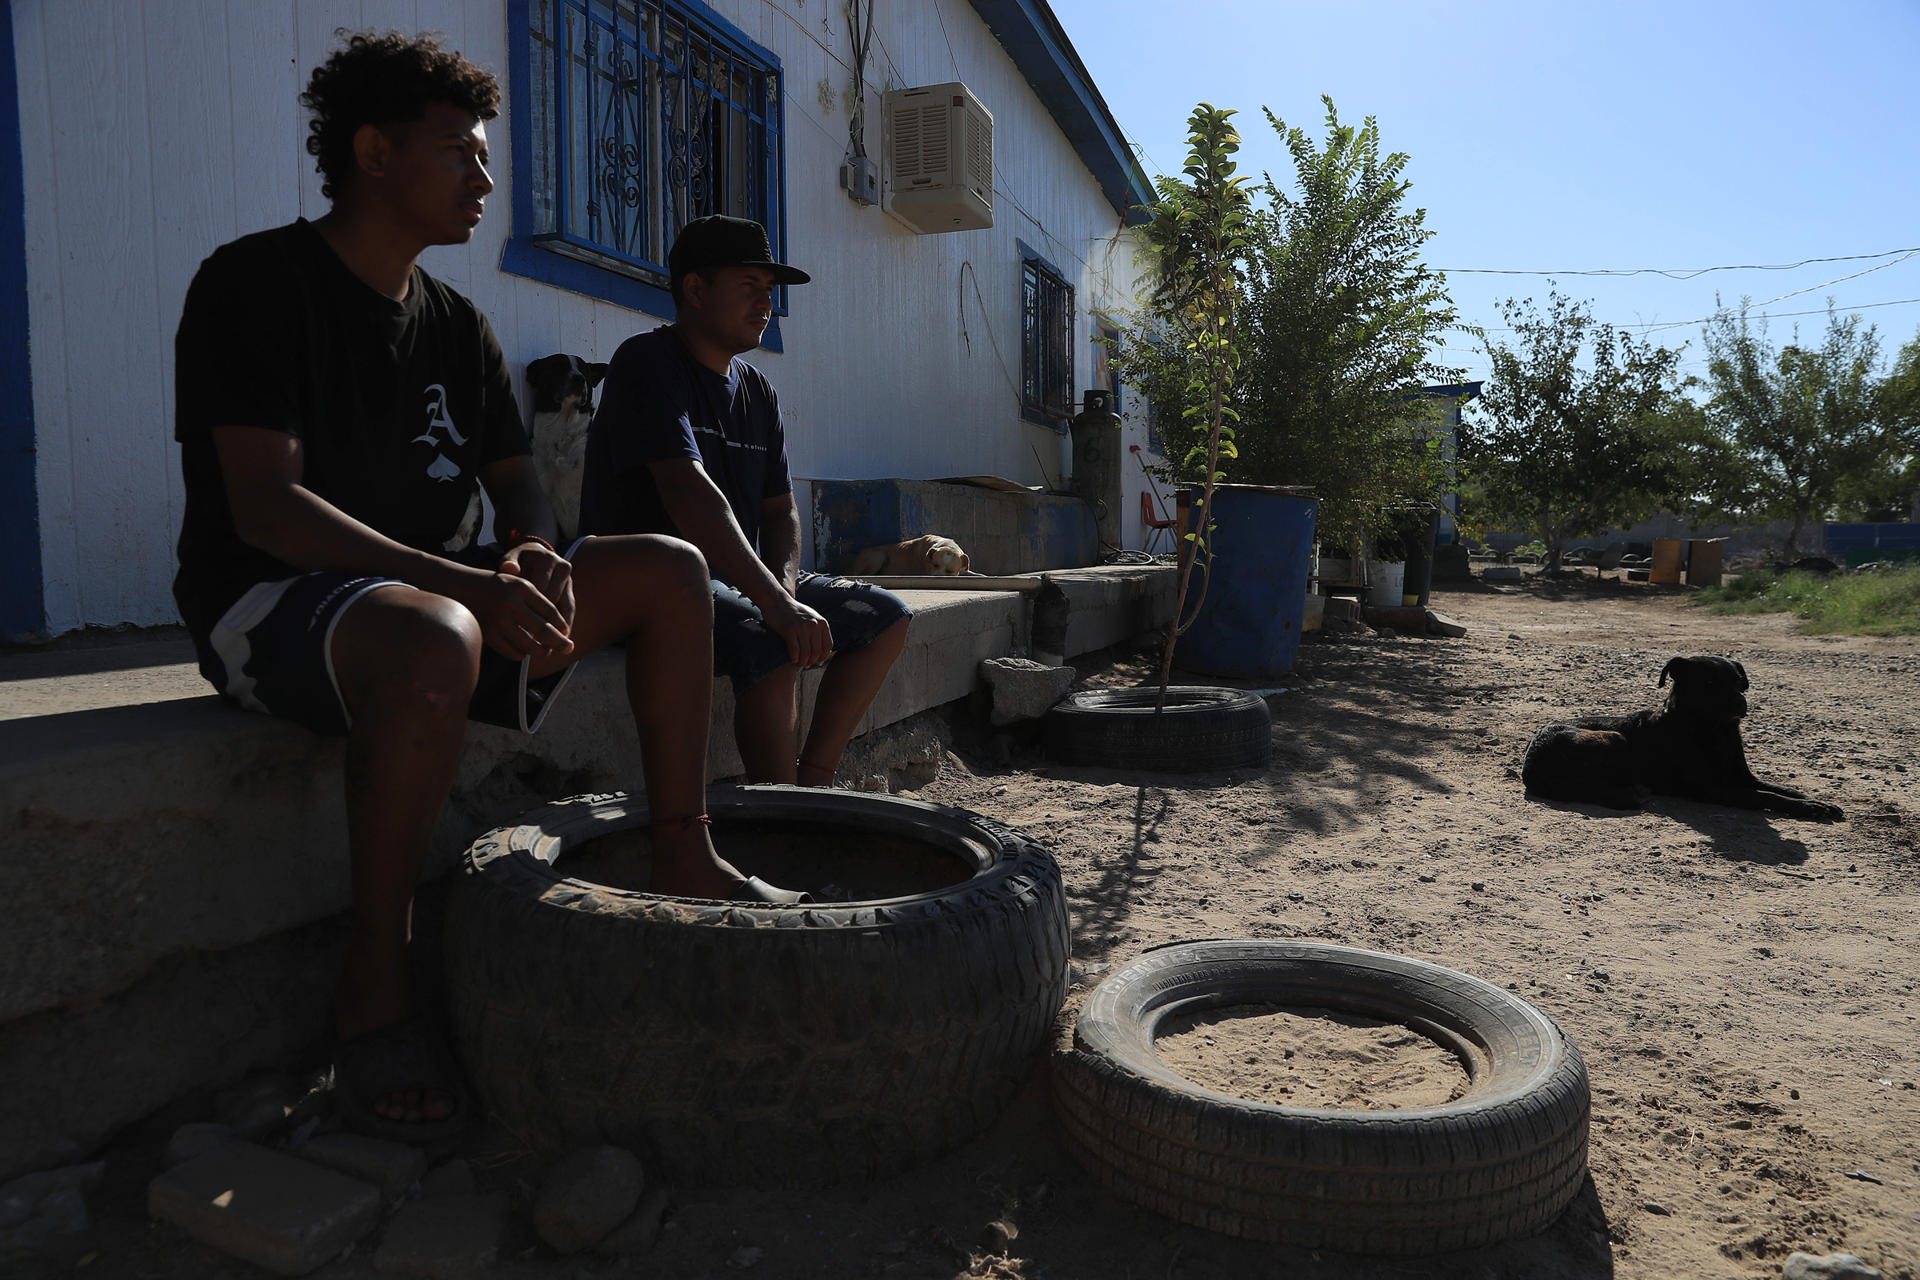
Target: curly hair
384,79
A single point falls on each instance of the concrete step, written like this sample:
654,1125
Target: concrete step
175,865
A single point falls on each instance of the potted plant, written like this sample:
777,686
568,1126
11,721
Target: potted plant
1336,567
1387,568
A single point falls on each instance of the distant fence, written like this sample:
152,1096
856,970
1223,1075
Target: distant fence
1857,544
1743,541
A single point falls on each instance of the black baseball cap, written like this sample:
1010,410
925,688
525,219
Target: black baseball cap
720,241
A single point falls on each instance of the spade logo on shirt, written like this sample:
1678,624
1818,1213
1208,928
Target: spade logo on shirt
442,467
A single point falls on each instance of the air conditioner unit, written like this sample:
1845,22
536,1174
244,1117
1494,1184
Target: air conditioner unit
939,142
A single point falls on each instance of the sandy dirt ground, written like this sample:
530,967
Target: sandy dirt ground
1742,985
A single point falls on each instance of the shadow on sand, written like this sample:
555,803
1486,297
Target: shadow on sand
1738,835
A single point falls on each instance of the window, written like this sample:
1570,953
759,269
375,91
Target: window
633,117
1046,343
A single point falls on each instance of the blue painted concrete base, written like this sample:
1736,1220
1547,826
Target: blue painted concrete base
1001,532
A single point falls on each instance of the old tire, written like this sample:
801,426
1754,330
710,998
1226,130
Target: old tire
1201,729
754,1044
1500,1162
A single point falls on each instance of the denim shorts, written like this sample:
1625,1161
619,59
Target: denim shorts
747,650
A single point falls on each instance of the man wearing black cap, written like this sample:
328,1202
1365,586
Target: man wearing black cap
688,441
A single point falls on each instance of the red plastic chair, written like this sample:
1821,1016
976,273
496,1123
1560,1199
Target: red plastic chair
1146,519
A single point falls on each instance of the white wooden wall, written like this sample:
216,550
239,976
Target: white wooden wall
155,130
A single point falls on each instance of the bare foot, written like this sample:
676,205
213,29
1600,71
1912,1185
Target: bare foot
415,1106
373,993
686,866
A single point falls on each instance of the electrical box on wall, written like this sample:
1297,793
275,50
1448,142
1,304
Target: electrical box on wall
939,158
860,177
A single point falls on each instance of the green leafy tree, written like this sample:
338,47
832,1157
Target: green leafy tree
1197,235
1695,459
1341,321
1336,318
1581,427
1805,422
1890,491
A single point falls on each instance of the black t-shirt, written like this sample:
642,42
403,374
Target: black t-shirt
398,405
658,402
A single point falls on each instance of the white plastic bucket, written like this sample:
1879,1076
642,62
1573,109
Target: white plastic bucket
1385,580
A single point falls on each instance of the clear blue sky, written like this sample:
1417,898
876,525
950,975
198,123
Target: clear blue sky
1557,135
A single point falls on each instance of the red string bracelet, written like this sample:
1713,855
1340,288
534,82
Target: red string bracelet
515,538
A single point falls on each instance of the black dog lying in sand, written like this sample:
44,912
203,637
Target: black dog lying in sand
1688,746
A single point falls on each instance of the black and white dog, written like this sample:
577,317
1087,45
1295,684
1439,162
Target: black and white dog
562,391
1689,746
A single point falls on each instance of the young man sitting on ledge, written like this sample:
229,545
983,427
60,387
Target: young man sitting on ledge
336,406
688,440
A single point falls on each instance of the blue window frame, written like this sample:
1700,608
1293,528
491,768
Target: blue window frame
1046,342
23,613
630,119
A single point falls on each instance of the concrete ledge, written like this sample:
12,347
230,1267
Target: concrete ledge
1114,603
150,845
139,831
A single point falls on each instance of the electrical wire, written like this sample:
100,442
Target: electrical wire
949,39
1045,479
1679,273
862,43
966,271
1055,243
1855,276
1652,326
807,31
893,68
1772,315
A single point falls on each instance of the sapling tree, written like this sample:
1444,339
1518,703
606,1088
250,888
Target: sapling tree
1195,243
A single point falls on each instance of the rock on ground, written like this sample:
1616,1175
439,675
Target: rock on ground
196,1139
641,1231
453,1178
40,1207
274,1211
1831,1266
259,1106
448,1238
586,1195
900,757
1023,689
390,1166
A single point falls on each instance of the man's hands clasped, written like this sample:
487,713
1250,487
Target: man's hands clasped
525,607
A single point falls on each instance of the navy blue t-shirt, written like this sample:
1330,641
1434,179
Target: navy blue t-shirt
658,403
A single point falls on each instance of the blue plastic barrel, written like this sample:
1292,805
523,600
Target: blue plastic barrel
1249,623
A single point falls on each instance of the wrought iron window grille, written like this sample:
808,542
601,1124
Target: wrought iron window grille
1046,344
647,114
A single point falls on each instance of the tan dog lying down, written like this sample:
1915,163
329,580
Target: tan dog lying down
928,554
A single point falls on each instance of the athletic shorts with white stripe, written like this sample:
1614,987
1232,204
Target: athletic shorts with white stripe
273,652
